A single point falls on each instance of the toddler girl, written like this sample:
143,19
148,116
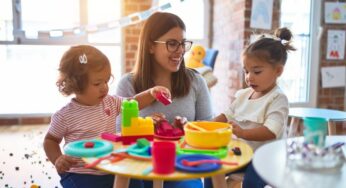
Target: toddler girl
85,72
259,113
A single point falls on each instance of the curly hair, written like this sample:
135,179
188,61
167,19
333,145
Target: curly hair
75,65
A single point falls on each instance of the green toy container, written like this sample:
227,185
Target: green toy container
315,130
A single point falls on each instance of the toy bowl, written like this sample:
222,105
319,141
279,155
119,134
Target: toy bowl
210,135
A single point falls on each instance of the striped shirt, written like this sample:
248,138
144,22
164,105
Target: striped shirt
77,122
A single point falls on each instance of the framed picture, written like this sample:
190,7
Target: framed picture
335,12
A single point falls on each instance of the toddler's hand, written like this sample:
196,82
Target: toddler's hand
236,130
158,90
63,163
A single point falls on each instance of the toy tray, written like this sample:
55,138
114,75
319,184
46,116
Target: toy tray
184,148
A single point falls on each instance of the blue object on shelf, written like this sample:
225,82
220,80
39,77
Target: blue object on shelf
210,57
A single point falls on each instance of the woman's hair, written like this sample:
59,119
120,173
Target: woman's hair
272,49
75,65
157,25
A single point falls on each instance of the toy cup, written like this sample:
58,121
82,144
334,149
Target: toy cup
315,130
163,157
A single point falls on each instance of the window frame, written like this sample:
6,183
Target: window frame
314,56
19,37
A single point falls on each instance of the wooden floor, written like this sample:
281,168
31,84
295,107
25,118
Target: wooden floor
23,162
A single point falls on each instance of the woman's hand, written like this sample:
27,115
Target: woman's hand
158,117
63,163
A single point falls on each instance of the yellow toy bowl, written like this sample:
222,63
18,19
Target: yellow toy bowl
205,134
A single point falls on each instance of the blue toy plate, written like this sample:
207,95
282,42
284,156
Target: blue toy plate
77,148
207,167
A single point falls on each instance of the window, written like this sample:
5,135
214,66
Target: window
196,20
33,40
301,88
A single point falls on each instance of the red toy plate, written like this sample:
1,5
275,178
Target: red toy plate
167,137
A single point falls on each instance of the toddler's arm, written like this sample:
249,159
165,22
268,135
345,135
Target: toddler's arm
145,98
220,118
61,162
261,133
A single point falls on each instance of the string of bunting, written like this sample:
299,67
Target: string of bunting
122,22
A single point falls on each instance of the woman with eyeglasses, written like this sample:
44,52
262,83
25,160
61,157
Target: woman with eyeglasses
160,62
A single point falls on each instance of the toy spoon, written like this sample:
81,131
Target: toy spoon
203,161
196,127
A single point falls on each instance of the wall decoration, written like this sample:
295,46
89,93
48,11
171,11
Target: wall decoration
336,44
335,12
333,76
261,14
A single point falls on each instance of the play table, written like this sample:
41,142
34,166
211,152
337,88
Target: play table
131,168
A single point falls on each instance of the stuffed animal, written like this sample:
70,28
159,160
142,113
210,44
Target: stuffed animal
195,59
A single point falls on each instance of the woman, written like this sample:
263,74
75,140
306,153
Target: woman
160,61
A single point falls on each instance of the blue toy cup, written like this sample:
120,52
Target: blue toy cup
315,130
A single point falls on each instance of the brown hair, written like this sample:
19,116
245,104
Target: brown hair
157,25
74,71
272,49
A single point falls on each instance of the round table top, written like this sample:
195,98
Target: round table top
134,168
333,115
270,163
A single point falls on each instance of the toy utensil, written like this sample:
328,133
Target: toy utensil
148,170
196,127
203,161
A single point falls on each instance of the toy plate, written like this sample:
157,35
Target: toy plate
77,148
207,167
166,137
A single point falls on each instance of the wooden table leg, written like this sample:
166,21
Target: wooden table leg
331,128
121,182
293,129
219,181
158,184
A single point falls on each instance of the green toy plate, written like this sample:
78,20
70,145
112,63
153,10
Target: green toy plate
78,148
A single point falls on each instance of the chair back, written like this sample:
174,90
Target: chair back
210,57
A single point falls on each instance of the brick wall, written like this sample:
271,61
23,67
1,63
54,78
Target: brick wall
231,29
332,98
131,33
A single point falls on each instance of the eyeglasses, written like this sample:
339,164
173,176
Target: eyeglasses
173,45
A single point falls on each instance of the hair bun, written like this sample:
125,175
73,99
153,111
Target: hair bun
283,33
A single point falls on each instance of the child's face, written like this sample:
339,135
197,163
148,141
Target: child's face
96,89
260,75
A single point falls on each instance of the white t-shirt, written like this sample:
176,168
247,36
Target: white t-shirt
270,110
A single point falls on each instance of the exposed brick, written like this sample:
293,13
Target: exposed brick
9,121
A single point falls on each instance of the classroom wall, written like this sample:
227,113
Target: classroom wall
333,98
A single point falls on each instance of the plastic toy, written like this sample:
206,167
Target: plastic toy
207,167
197,54
88,148
204,161
132,126
183,148
216,134
165,131
163,98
